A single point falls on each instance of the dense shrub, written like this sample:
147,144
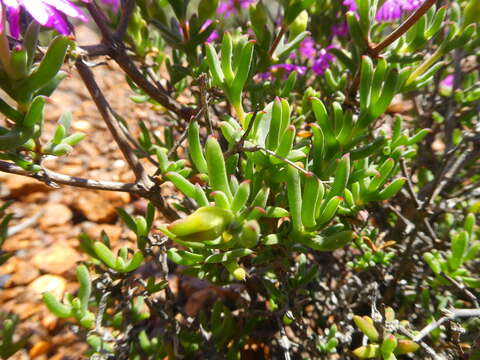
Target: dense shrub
325,161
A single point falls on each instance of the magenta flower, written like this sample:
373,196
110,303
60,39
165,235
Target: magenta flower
447,82
323,61
231,7
307,48
350,4
340,30
283,69
409,5
213,36
49,13
393,9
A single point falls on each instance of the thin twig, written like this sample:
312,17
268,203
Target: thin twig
402,267
249,128
182,138
430,231
402,29
427,348
274,154
410,188
450,314
452,166
179,142
276,42
127,11
117,52
462,289
131,139
409,226
239,146
52,178
12,230
103,106
204,101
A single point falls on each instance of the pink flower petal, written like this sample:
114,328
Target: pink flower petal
1,17
65,7
14,21
58,22
38,10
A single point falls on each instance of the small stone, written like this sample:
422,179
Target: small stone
99,206
81,125
51,283
49,321
24,272
55,214
113,231
21,186
56,259
39,348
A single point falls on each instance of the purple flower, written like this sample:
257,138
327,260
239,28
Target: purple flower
409,5
49,13
213,36
323,61
340,30
231,7
393,9
390,10
307,48
282,69
288,68
448,81
350,4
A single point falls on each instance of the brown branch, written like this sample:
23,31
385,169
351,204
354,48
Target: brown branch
410,188
452,166
52,178
274,154
95,50
118,52
103,106
184,135
239,146
127,11
402,29
204,101
131,139
459,286
279,37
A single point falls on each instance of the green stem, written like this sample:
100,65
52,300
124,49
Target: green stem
240,113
